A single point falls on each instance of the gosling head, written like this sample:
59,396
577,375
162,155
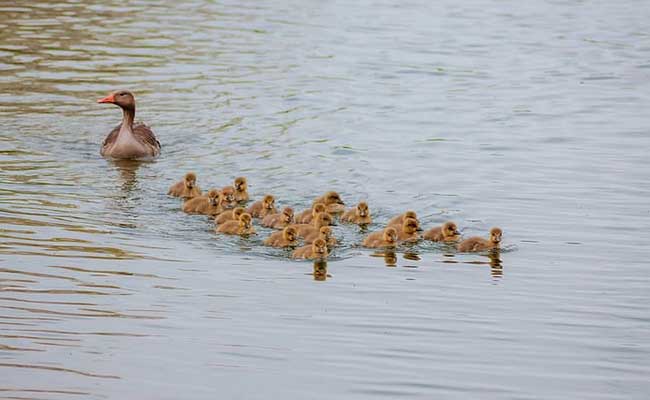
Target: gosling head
390,235
287,215
290,233
362,209
333,198
268,202
319,247
190,180
237,212
213,197
495,235
245,221
318,208
228,194
325,232
449,229
324,219
410,225
122,98
240,184
410,214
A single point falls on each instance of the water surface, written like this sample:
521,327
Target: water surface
530,117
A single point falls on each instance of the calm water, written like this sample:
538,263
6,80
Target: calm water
531,117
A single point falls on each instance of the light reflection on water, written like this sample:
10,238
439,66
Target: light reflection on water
531,118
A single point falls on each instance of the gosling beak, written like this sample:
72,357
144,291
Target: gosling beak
108,99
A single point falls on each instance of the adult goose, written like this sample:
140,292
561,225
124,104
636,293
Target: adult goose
128,140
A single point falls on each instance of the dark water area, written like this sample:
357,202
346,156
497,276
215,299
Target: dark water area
528,116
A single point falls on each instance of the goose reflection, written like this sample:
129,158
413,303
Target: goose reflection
127,170
125,199
320,270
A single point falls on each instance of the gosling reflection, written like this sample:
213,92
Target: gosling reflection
494,261
389,255
320,270
496,266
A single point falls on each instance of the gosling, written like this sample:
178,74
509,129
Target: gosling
399,219
477,243
279,221
241,189
262,208
306,216
187,188
322,219
447,232
332,201
288,237
408,231
325,233
242,227
228,194
208,205
382,239
229,215
314,251
359,215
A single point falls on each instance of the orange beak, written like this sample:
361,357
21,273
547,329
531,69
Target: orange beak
108,99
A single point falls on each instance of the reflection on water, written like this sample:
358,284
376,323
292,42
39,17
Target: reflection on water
493,260
127,174
496,267
390,257
531,119
320,270
410,255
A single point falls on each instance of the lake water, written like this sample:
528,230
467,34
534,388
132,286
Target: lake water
530,116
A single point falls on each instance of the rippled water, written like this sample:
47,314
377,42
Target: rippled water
530,116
